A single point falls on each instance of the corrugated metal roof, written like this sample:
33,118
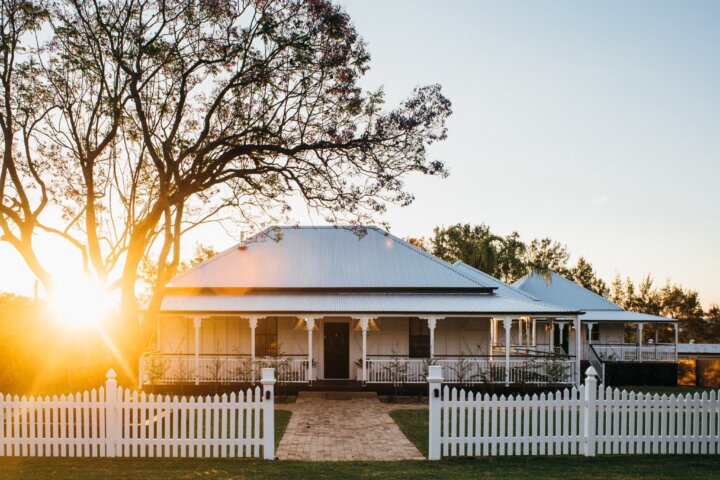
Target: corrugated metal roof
502,287
699,348
558,290
414,303
324,257
623,316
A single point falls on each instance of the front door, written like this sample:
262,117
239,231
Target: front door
337,350
565,334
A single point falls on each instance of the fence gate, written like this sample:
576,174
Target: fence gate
577,421
112,422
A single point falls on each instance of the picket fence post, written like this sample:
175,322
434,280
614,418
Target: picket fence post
111,440
434,379
268,403
590,407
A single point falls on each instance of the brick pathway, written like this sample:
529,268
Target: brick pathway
344,430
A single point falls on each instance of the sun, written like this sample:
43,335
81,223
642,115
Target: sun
82,303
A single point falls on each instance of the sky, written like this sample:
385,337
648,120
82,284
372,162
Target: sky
594,123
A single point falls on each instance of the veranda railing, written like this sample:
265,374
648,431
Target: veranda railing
163,368
467,370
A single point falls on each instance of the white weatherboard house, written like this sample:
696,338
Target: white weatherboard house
359,304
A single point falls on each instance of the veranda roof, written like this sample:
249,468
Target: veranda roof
352,303
558,290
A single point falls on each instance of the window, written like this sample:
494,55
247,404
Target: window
266,343
419,338
595,333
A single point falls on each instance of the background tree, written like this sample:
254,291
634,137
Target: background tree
474,245
584,274
156,117
509,258
671,301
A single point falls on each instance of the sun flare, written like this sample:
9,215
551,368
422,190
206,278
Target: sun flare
83,303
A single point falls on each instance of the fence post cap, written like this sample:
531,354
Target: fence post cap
111,375
434,373
268,376
591,372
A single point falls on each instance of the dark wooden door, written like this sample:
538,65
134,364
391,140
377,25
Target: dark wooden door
565,334
337,350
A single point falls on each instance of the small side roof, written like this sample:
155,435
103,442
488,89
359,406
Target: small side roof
699,348
558,290
502,287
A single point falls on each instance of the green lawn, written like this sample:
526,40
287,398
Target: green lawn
412,422
282,418
537,468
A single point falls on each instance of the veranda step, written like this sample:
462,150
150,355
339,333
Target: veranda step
329,395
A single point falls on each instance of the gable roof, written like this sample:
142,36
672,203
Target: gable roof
558,290
502,288
339,258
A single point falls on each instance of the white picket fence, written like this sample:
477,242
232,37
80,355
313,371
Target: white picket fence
577,421
112,422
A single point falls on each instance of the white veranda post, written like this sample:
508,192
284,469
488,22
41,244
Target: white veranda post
492,337
675,327
364,323
252,321
432,323
310,324
197,323
507,324
590,330
534,332
578,347
640,334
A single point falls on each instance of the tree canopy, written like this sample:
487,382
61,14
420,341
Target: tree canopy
125,124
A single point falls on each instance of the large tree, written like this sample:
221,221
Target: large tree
142,119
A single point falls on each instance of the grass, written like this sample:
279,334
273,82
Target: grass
282,418
537,468
414,424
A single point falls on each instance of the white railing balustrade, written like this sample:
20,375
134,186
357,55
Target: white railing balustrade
474,370
396,370
625,352
160,369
